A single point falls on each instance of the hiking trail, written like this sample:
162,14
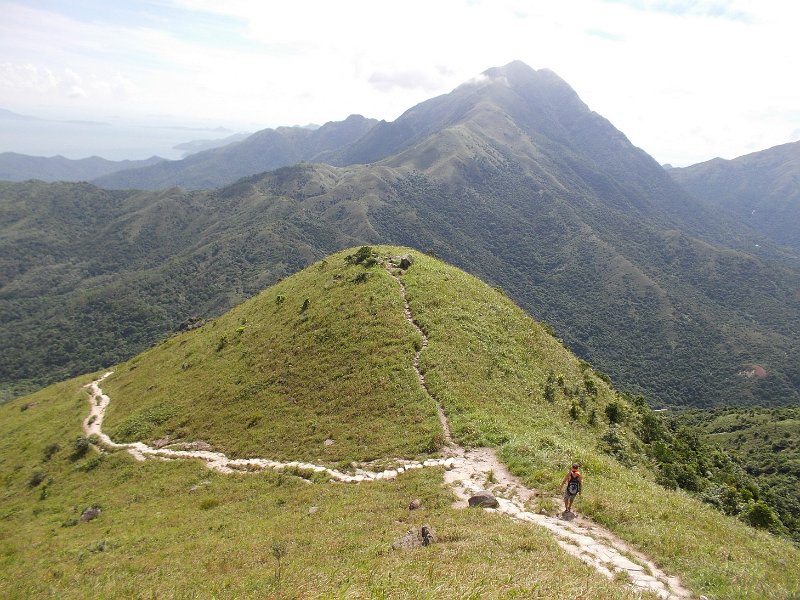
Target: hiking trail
467,472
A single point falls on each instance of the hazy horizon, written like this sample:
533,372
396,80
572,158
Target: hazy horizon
685,81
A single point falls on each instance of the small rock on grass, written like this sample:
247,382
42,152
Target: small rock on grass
90,513
416,538
415,504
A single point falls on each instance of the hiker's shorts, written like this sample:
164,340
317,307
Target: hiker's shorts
568,496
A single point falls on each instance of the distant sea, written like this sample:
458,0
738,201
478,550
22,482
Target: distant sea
79,139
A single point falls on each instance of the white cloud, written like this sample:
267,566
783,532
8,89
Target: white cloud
684,80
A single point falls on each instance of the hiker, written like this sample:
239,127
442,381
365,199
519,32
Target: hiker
571,486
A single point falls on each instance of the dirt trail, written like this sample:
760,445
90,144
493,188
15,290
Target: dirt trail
466,471
220,462
479,470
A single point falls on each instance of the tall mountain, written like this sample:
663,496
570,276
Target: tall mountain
761,189
262,151
510,176
20,167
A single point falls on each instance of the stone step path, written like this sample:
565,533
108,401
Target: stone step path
466,471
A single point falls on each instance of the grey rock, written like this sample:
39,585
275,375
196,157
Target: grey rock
484,500
90,513
160,443
415,504
416,538
312,509
199,445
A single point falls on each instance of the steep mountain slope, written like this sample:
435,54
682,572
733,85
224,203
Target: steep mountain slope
90,276
262,151
761,189
520,184
321,368
21,167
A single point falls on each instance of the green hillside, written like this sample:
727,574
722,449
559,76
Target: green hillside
760,189
514,180
767,443
327,356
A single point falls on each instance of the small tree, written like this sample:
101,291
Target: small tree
278,553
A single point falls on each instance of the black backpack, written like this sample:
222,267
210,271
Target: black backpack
574,485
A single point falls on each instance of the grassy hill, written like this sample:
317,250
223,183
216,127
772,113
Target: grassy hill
327,355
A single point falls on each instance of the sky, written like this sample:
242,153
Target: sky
685,80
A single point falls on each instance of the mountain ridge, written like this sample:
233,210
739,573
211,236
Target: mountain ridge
264,150
761,189
21,167
649,285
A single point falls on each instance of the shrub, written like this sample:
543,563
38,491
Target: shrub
37,478
614,444
222,342
759,514
360,256
615,413
79,448
49,451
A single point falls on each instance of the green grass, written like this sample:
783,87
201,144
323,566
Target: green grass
488,363
341,369
178,530
273,379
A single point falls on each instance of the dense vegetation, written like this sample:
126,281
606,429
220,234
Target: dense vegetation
515,181
504,381
766,442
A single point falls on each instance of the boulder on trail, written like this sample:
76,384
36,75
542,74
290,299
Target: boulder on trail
416,538
484,500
